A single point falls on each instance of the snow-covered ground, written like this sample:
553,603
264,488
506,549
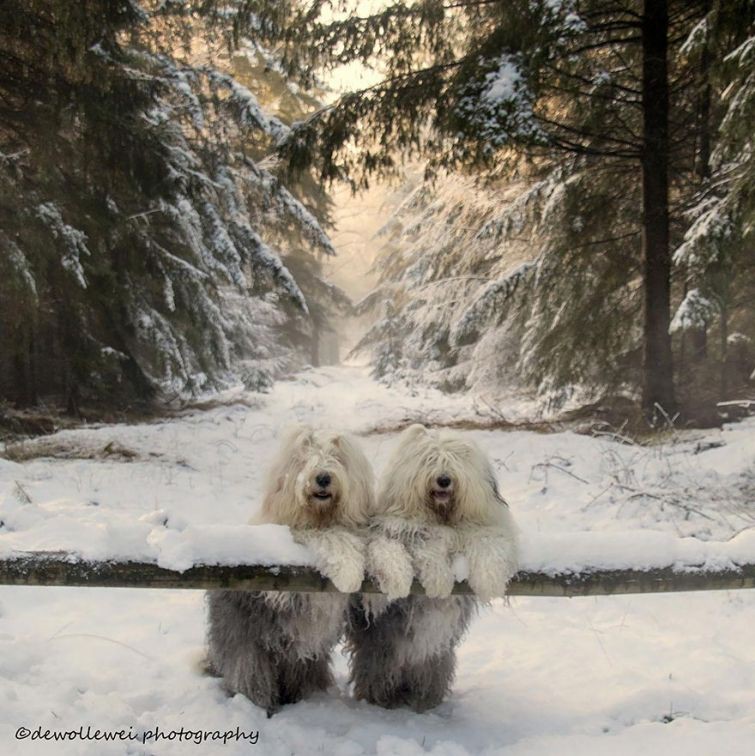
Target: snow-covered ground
621,675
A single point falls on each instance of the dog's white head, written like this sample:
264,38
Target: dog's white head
319,478
438,476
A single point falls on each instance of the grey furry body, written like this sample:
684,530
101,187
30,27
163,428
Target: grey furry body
274,648
437,499
403,652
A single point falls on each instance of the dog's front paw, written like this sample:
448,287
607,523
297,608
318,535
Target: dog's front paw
389,563
437,579
431,549
489,578
346,574
339,556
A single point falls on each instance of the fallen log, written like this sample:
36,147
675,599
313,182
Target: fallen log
64,569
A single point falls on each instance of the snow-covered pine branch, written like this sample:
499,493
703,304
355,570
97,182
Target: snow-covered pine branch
174,238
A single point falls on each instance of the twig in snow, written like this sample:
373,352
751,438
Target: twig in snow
562,469
665,500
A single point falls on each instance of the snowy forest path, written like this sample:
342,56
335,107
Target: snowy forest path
140,491
623,674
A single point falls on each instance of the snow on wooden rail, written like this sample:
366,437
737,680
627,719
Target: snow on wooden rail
64,569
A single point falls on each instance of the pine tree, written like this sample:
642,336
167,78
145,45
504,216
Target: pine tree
141,238
469,84
494,288
716,251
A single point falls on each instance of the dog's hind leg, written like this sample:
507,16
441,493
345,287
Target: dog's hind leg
298,678
405,655
373,663
273,649
423,686
237,623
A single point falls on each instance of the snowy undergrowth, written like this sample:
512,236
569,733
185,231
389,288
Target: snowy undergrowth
654,674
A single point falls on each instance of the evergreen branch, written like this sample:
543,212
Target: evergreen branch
571,75
610,42
608,240
584,133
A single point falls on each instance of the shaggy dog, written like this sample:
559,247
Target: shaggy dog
275,647
437,498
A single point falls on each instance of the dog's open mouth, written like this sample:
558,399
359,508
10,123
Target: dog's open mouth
442,503
441,496
323,496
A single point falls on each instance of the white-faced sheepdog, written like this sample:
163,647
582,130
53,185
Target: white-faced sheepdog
275,647
437,498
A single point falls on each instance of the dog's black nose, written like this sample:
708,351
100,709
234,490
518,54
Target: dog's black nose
444,481
322,480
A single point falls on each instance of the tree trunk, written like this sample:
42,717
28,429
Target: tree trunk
699,342
723,335
658,387
703,109
699,336
314,347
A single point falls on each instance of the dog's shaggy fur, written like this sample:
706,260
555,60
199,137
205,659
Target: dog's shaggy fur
275,647
437,498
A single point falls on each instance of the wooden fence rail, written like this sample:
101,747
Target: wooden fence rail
63,569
